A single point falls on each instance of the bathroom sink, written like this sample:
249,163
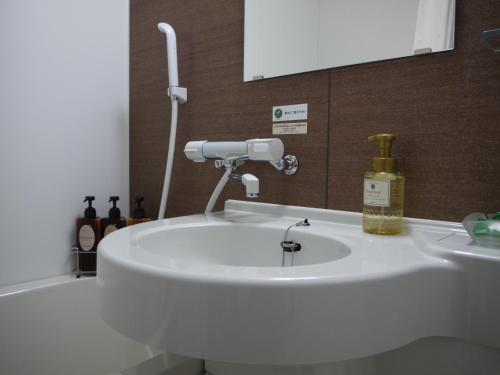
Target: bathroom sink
220,287
234,245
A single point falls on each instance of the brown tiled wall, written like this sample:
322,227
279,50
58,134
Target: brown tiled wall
444,108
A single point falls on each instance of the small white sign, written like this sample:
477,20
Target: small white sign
290,128
290,112
377,193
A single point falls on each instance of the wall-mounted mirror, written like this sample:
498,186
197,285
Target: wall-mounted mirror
293,36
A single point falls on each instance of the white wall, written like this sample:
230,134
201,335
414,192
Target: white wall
63,126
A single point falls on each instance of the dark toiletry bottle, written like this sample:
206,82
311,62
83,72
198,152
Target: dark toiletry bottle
88,234
115,220
139,214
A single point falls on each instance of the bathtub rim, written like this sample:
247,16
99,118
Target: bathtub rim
34,285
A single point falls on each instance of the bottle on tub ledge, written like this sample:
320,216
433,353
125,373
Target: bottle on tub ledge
115,220
88,234
139,213
383,191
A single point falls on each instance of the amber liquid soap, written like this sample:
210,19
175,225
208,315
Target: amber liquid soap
386,218
383,192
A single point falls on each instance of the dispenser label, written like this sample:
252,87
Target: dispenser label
290,128
290,112
109,229
86,237
377,193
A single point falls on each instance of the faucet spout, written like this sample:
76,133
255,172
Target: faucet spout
251,184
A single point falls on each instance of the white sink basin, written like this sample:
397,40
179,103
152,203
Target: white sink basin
214,287
234,244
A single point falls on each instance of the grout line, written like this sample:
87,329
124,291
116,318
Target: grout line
328,136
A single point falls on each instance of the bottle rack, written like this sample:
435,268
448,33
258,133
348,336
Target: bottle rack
79,255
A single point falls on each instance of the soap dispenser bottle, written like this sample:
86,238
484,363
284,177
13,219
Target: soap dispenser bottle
115,220
383,191
88,234
139,214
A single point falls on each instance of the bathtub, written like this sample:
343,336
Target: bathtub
52,327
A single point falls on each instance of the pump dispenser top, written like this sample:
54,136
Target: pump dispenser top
384,162
139,212
114,212
89,212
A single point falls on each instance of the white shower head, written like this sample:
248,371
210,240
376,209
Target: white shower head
173,75
177,95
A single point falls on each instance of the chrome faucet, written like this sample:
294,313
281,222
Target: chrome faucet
231,155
